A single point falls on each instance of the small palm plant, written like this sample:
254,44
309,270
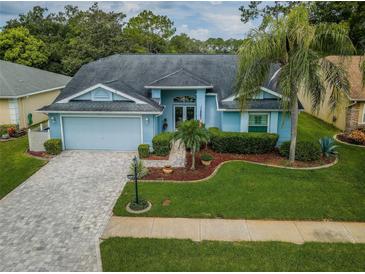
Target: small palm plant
192,134
328,147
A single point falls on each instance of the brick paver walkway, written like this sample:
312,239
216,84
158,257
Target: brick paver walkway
235,230
52,222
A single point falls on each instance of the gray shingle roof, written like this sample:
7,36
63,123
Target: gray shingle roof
18,80
102,106
259,104
139,70
180,78
130,73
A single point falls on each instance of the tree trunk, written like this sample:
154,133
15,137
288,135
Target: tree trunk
294,128
192,159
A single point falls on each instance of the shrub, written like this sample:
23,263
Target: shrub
304,151
141,169
143,151
161,143
242,142
53,146
328,147
11,131
206,157
357,136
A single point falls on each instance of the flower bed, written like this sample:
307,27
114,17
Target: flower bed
201,171
355,137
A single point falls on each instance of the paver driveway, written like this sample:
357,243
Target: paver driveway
53,220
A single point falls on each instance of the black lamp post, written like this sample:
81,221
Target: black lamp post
135,176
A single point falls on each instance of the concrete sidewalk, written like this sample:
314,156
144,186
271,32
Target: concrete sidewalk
235,230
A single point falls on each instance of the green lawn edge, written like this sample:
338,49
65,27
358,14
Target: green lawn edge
127,254
249,191
15,165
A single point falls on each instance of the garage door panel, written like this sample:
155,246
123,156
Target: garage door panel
110,133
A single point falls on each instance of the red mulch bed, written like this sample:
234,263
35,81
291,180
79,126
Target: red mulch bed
201,171
40,154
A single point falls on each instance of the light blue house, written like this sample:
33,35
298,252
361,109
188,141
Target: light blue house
121,101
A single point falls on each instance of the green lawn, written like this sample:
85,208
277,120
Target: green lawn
126,254
15,165
243,190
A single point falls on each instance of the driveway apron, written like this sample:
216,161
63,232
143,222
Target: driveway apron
53,220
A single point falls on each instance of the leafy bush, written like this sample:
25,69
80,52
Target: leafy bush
11,131
328,147
143,150
304,151
53,146
4,128
141,169
358,137
242,142
206,157
161,143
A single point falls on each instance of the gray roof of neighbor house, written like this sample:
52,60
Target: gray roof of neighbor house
18,80
132,73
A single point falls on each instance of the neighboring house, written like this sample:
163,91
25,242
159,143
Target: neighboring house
24,89
122,101
351,111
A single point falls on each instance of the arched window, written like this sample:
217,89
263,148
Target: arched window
185,99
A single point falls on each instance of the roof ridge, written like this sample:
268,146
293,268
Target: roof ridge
34,68
182,69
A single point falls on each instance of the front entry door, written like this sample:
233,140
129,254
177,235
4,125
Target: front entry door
183,113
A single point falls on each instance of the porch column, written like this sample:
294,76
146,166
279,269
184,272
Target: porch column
200,105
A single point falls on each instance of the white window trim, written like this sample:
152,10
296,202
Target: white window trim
67,99
363,115
258,114
233,97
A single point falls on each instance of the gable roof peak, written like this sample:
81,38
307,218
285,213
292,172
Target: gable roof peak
180,78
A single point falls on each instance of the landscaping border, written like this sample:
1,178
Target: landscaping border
245,161
342,142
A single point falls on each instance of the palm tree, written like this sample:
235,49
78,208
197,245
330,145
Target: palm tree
299,47
192,134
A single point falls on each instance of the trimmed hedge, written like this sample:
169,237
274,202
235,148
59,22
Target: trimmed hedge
53,146
143,150
304,151
161,143
242,142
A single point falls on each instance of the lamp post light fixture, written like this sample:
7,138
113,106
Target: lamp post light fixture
135,177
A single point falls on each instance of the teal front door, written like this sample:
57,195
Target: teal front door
183,113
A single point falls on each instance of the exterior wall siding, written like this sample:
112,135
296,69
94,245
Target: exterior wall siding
212,116
231,121
30,104
4,112
336,118
284,127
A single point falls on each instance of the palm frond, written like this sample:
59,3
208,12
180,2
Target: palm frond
333,39
335,77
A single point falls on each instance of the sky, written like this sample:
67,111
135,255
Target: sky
200,20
